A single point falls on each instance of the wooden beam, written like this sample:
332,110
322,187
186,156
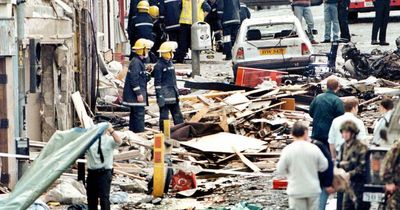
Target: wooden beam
246,161
199,115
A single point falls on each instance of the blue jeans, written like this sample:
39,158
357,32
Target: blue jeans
305,12
331,21
323,198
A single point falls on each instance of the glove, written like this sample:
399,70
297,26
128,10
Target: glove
160,101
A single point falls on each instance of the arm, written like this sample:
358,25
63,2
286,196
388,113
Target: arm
281,167
332,148
112,133
312,108
389,163
332,138
157,78
340,107
134,69
356,167
220,9
363,131
206,7
322,162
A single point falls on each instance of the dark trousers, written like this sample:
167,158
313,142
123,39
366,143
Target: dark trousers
98,187
339,201
229,33
136,121
175,112
343,14
382,12
348,203
184,42
173,35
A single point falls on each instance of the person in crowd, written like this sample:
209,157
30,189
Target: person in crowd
229,14
215,25
100,165
141,26
386,108
172,12
301,9
323,109
135,89
353,160
335,137
244,12
185,21
382,14
331,19
300,162
390,175
343,16
158,33
166,87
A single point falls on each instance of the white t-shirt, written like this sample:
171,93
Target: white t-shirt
107,147
335,137
379,125
300,162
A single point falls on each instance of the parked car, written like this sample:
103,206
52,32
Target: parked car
357,6
275,43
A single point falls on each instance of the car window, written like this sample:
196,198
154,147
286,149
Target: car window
274,31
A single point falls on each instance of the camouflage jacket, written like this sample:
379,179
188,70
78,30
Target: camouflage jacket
353,161
390,172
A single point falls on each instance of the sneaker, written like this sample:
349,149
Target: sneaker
314,42
326,41
384,44
374,42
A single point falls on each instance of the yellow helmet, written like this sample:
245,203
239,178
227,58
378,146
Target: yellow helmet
167,47
142,46
143,6
154,12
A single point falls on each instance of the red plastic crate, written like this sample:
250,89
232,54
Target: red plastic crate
279,184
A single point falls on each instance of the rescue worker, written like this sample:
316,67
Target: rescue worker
165,84
390,175
100,164
343,15
215,25
158,32
382,14
185,22
353,160
135,89
244,12
229,14
172,13
141,25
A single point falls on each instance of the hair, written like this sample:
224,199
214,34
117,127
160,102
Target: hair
349,126
350,104
387,103
299,129
332,84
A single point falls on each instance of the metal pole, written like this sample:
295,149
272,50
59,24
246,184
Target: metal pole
195,53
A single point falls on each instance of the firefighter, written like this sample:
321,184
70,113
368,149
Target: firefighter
229,14
135,89
141,25
215,25
244,12
186,25
165,84
382,13
172,11
390,175
158,32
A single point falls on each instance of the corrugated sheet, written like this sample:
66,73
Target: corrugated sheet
7,37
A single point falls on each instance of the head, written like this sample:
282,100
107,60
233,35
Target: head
386,105
167,50
300,131
154,12
351,105
143,6
349,131
333,85
142,47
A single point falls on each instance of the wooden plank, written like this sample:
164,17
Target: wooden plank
133,154
207,95
199,115
289,105
205,100
246,161
260,110
86,121
128,174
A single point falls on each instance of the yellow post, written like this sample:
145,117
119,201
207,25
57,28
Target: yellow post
167,129
159,168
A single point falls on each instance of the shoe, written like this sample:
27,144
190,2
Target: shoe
326,41
314,42
227,58
384,44
374,42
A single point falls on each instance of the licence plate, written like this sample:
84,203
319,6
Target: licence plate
373,197
368,4
273,51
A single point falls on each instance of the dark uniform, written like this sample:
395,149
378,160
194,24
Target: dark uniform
244,12
353,161
158,33
382,12
171,12
229,14
215,23
343,13
141,27
135,85
132,14
167,91
390,174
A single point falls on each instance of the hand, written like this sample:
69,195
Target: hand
390,188
140,98
149,68
161,101
330,190
110,128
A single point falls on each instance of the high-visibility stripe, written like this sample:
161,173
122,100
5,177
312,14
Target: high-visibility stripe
143,24
133,104
158,87
220,12
231,21
172,26
170,99
136,88
169,1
